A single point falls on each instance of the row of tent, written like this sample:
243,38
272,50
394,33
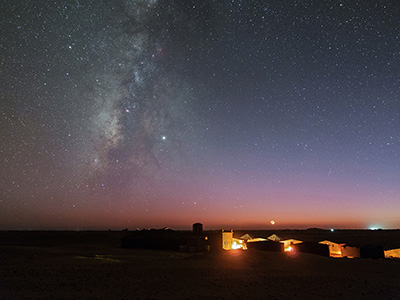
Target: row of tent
328,248
197,241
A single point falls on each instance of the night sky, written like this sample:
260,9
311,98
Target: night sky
126,114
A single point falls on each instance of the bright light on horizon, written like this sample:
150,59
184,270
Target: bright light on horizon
375,227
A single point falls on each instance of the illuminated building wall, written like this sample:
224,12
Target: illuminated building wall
227,240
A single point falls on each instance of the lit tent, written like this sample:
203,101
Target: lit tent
287,244
341,250
392,253
335,249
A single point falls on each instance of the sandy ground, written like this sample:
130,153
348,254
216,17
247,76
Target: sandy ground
105,272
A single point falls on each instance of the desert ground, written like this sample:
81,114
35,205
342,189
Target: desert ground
91,265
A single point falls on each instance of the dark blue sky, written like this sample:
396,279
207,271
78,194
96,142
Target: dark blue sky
232,113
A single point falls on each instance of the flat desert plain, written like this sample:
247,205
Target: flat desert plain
81,266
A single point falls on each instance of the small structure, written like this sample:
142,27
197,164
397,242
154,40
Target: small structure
335,249
287,244
197,228
350,251
227,239
197,241
341,250
392,253
231,243
274,237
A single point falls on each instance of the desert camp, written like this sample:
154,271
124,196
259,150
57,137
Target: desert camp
198,241
172,264
199,149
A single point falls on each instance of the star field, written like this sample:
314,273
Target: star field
155,113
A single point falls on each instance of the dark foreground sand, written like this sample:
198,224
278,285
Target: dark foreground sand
106,272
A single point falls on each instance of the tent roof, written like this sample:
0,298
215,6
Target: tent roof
293,241
274,237
246,237
326,242
257,240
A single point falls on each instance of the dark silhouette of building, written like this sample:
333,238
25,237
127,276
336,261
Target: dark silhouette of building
266,246
167,239
197,241
313,248
372,252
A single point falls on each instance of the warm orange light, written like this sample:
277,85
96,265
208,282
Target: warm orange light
288,249
236,245
291,252
272,222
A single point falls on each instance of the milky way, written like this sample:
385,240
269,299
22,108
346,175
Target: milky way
232,113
